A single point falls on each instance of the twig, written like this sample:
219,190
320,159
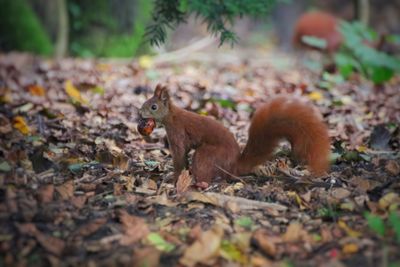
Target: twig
236,178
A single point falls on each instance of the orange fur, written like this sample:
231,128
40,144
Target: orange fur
318,24
286,118
215,147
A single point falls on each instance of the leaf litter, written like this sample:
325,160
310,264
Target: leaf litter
80,186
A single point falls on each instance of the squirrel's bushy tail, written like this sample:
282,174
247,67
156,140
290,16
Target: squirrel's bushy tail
286,118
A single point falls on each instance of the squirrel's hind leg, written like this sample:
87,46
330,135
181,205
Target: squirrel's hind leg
208,162
203,164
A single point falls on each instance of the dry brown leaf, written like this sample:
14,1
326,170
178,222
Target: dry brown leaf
45,193
150,184
204,250
184,182
340,193
135,228
129,182
66,190
50,243
266,242
393,167
164,200
294,232
260,261
148,256
326,234
5,124
90,228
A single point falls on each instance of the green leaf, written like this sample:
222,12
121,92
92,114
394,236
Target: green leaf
226,103
394,39
245,222
314,41
183,6
346,70
375,223
75,168
160,243
98,90
394,220
381,75
358,54
5,167
351,156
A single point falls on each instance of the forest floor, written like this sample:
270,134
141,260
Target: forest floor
80,187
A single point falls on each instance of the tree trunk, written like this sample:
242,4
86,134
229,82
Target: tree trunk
62,34
361,11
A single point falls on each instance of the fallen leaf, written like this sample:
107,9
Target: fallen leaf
340,193
266,242
315,96
66,190
74,93
50,243
90,228
160,243
135,228
78,201
21,125
5,167
145,61
348,230
294,232
36,90
350,248
302,204
205,249
147,256
184,182
350,206
387,200
5,124
245,222
231,252
45,193
128,182
393,167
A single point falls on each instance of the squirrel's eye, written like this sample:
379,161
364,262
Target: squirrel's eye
154,107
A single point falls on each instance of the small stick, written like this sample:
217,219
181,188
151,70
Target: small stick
236,178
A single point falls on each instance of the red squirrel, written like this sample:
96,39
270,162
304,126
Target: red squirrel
217,154
321,25
326,26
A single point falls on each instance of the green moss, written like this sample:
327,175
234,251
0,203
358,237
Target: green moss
21,30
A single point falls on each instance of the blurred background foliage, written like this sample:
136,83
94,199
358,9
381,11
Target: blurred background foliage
97,28
116,28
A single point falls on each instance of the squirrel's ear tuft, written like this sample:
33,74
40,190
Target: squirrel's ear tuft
161,92
164,94
157,91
